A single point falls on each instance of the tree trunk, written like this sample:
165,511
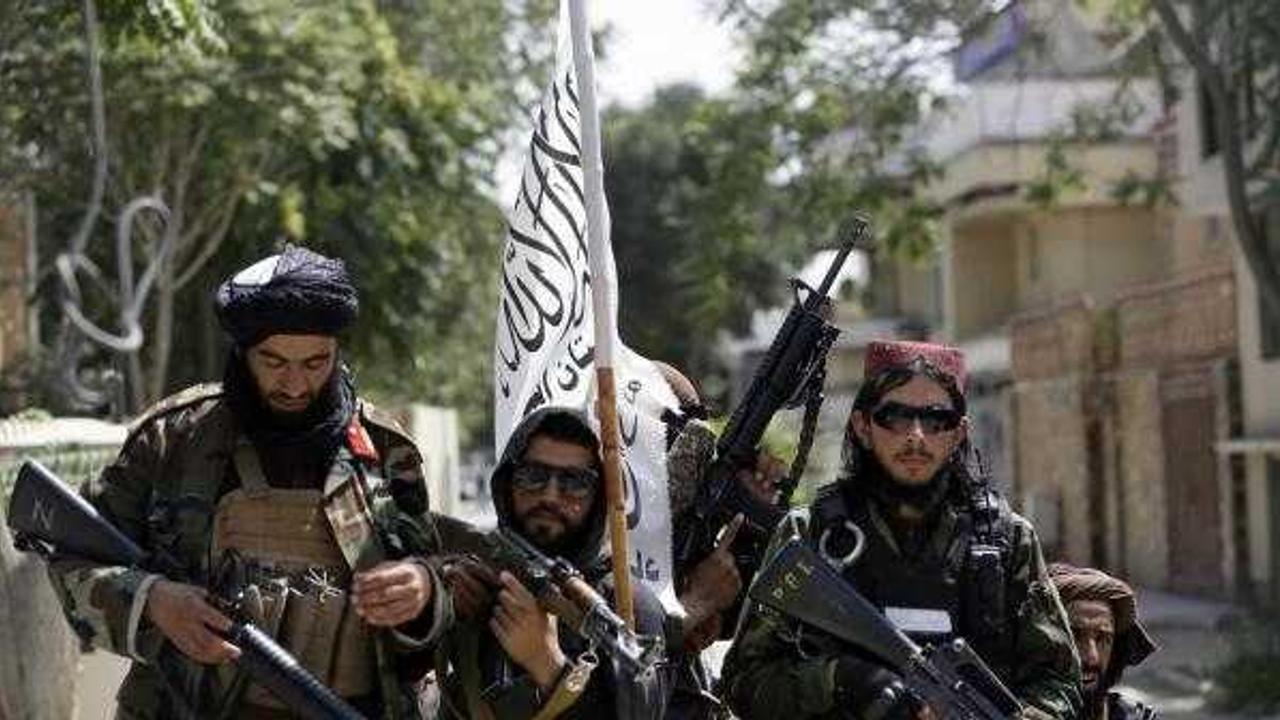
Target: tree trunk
162,334
1248,231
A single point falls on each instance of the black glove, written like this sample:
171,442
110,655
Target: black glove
868,691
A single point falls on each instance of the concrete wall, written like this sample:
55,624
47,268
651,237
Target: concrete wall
996,163
983,251
1144,506
1050,464
1260,383
1095,251
1030,259
919,290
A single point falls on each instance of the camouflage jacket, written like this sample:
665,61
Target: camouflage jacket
162,491
769,673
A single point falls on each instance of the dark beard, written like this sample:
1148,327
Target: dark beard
317,431
891,494
565,546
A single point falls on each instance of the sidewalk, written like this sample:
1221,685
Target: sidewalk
1194,637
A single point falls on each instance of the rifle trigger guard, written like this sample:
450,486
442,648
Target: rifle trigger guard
843,562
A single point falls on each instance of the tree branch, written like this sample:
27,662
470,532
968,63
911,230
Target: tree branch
1249,235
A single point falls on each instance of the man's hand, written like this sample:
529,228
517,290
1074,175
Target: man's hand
391,593
183,614
715,582
763,480
469,583
867,690
527,633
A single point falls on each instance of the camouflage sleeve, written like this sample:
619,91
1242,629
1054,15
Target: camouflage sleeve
765,674
104,603
1047,670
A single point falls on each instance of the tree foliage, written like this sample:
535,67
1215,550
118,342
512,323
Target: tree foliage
367,129
686,190
714,197
1233,46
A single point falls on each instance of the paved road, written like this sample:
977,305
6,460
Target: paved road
1195,637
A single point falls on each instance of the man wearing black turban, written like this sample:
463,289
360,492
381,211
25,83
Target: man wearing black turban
1103,612
284,475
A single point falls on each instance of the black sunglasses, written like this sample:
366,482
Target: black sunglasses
900,418
574,482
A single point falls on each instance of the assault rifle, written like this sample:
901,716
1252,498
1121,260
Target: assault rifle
791,374
47,518
950,677
562,591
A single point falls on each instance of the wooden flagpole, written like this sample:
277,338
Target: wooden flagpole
602,293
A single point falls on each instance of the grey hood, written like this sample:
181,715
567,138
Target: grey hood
587,554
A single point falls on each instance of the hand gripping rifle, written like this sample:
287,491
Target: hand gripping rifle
47,518
950,677
562,591
792,373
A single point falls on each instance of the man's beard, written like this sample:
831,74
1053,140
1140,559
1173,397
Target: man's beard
569,539
321,426
893,492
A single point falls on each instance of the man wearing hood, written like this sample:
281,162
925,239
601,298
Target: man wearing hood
283,478
914,525
508,658
1103,612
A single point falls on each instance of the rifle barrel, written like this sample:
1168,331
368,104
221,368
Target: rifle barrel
852,231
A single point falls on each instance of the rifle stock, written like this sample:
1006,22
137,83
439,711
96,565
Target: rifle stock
950,677
50,519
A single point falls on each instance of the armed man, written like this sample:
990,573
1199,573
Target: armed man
284,479
915,527
710,587
509,658
1103,612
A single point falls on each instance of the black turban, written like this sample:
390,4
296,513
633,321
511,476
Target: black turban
298,292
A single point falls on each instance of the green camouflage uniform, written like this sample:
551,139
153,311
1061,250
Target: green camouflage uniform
162,490
768,674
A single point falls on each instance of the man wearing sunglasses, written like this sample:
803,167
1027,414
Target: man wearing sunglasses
507,657
915,526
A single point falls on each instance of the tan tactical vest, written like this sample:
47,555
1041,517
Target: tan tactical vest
297,576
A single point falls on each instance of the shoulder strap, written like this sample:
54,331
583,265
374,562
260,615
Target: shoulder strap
350,517
249,468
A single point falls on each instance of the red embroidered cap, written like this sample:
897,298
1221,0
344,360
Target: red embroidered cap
886,354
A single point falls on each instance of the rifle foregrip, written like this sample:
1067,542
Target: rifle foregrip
270,666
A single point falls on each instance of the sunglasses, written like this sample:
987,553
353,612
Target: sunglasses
533,477
899,418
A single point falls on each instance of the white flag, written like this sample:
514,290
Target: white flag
544,344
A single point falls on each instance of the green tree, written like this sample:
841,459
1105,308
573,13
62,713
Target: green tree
686,191
1233,47
368,129
713,198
